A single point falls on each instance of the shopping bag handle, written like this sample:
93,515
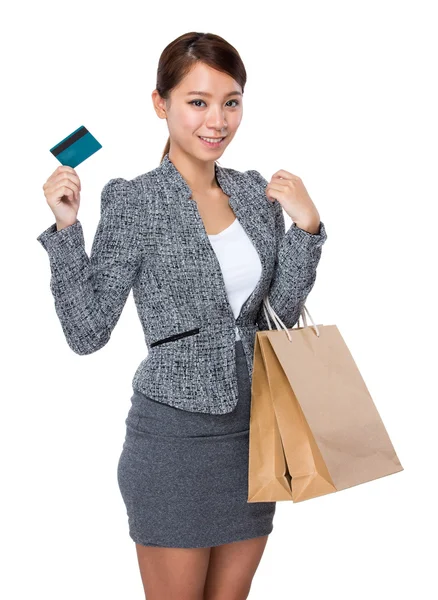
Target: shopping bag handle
269,311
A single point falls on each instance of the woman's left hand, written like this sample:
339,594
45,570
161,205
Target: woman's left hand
290,191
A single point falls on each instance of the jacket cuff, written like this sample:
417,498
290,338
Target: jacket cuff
61,243
301,243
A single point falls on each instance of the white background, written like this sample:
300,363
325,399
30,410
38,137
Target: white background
342,94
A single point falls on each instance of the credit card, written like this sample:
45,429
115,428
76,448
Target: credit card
76,147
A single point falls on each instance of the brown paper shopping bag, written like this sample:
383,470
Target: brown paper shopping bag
314,428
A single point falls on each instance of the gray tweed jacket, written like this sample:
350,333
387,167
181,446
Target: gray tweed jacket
151,238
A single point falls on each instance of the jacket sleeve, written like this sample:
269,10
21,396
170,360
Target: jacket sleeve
298,255
90,292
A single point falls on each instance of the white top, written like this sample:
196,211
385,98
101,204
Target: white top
240,264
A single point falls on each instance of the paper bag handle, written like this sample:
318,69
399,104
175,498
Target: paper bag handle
269,311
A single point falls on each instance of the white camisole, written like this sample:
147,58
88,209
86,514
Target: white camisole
240,264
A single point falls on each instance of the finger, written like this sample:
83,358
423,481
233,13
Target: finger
67,175
67,169
66,183
69,191
275,190
277,186
285,174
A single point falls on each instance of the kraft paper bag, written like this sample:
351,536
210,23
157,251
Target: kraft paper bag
314,428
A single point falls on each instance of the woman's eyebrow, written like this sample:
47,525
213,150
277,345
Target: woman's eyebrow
199,93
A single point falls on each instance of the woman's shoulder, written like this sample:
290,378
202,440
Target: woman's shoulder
124,197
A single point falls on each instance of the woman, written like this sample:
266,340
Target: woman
200,246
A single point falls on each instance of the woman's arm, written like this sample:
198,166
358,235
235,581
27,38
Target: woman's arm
298,255
90,293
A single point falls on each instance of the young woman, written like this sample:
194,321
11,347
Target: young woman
201,246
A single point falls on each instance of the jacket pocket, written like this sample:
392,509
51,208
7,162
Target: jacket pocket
176,336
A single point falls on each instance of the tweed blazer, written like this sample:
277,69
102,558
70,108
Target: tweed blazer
150,238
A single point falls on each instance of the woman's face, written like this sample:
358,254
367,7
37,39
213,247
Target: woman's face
214,113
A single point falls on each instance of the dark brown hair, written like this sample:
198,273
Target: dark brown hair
179,57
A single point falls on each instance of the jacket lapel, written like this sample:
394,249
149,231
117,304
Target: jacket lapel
254,215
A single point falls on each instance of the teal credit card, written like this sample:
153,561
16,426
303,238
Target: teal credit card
76,147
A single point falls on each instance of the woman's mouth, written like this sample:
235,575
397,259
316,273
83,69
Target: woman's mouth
211,142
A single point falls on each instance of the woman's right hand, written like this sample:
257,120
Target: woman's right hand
62,192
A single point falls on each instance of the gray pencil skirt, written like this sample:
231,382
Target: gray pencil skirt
183,476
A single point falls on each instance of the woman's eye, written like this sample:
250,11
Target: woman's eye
236,101
193,101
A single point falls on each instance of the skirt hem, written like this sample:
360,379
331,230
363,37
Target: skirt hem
225,540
